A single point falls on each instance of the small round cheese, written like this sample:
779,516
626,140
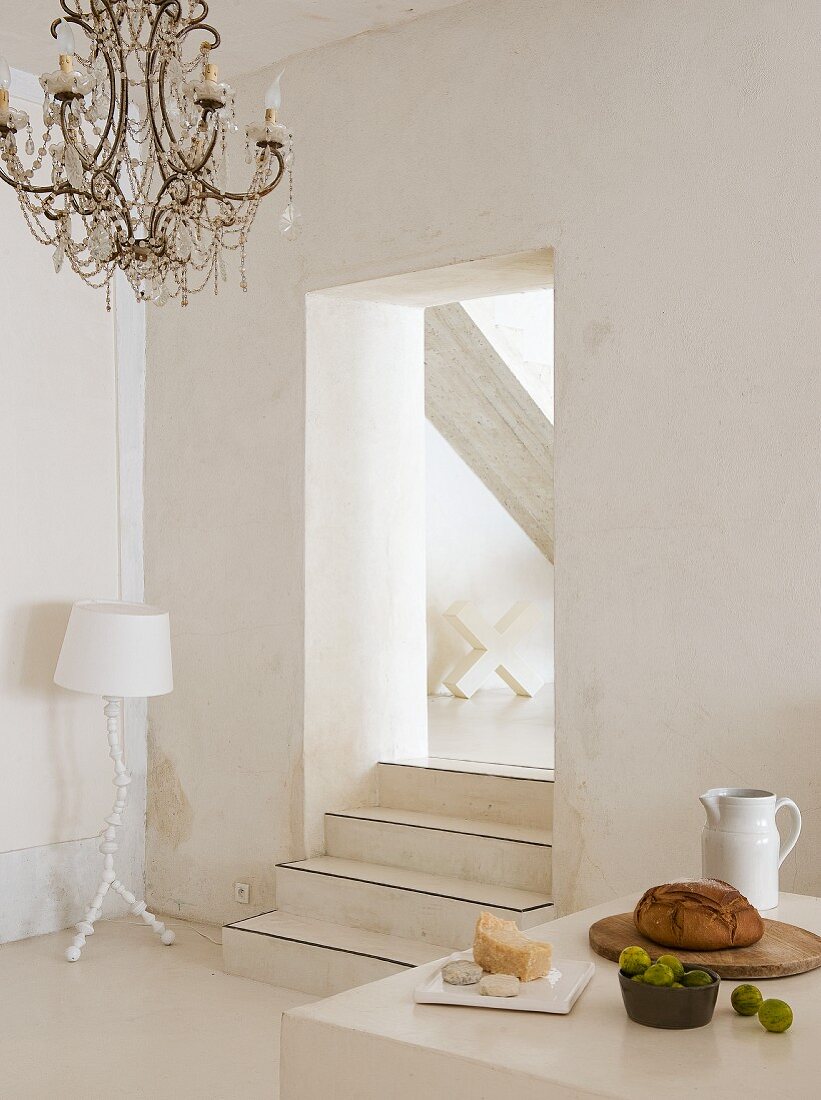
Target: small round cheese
461,972
499,985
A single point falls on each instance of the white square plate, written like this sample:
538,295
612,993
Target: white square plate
558,992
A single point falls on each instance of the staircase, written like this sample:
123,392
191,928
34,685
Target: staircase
477,401
402,883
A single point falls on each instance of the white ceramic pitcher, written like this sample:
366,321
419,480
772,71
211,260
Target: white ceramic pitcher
740,843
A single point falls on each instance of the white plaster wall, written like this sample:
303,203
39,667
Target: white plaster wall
477,552
668,152
224,552
61,381
364,527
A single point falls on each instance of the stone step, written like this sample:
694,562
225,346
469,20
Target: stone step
314,956
461,788
481,851
433,909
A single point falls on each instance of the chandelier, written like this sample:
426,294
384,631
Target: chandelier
131,172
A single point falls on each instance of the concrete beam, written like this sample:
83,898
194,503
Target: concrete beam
474,400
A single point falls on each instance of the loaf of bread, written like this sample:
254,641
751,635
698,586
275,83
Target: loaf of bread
699,916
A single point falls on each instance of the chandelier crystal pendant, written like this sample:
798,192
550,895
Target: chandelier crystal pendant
132,168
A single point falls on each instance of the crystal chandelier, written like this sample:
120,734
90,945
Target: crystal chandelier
132,168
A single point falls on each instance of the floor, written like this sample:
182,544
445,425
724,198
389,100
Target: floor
494,727
136,1019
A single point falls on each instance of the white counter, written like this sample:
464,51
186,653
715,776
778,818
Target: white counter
374,1043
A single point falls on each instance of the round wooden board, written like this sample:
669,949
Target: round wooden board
783,950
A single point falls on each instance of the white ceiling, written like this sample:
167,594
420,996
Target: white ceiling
254,32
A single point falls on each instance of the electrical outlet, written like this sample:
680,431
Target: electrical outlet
242,893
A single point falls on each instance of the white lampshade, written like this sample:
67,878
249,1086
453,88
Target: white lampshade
117,649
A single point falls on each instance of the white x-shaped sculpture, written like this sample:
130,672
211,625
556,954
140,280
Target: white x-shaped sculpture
494,649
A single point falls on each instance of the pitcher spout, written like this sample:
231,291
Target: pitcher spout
709,800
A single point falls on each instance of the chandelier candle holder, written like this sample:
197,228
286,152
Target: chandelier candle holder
10,121
131,172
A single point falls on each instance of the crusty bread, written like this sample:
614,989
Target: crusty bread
699,916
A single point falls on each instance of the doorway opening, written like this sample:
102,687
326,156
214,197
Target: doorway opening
489,528
367,599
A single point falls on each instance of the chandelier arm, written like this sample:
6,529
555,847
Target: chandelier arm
29,189
203,6
161,212
204,28
164,111
93,196
64,4
71,17
55,215
183,165
151,57
84,213
249,196
196,22
74,199
123,75
195,169
65,108
121,208
111,108
88,166
164,156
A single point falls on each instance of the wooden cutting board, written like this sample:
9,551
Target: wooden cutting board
783,950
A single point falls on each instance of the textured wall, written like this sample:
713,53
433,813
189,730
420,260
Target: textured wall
364,527
668,152
71,528
58,539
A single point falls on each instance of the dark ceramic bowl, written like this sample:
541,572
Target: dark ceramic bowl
660,1006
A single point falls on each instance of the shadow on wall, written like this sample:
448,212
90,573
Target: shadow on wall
42,627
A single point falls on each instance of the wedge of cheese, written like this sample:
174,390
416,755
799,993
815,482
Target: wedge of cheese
500,948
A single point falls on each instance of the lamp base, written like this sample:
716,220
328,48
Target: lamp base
108,846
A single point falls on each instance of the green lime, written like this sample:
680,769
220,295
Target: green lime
658,974
637,978
746,999
634,960
673,963
677,985
694,978
775,1015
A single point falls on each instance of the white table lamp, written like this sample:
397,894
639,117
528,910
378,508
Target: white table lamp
115,649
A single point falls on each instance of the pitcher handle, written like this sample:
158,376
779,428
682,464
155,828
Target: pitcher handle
788,843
